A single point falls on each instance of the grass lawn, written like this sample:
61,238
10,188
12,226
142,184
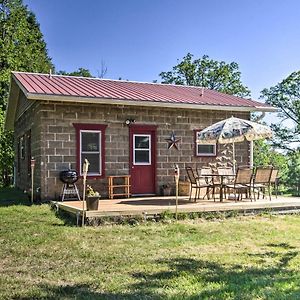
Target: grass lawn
237,258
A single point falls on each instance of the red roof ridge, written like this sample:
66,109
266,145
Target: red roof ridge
109,79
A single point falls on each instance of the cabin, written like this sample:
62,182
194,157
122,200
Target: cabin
122,127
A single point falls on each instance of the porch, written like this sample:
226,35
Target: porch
149,206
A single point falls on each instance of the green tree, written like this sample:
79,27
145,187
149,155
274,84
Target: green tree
294,172
80,72
265,155
286,96
209,73
22,48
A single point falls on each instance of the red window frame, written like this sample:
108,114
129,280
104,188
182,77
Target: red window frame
90,127
196,146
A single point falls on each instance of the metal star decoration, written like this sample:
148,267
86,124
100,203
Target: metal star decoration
172,141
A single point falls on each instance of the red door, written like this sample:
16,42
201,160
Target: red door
142,159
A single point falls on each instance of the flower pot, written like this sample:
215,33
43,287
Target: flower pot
92,202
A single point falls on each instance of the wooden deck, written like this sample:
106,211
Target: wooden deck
156,205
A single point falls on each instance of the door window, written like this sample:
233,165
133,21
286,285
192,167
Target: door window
141,149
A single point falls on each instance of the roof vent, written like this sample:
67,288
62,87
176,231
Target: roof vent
50,73
202,92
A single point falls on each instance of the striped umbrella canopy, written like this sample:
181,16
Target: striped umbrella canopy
233,130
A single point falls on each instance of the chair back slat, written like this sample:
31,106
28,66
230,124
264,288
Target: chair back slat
226,171
274,175
243,176
262,175
191,175
205,173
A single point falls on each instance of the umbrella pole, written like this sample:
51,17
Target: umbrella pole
251,154
233,156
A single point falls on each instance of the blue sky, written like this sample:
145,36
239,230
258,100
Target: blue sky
137,39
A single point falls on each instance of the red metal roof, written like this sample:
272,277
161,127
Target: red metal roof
59,85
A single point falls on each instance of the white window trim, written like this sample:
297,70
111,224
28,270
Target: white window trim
209,144
145,149
91,152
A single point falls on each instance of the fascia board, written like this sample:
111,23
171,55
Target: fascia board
112,101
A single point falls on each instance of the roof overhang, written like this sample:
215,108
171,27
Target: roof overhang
11,108
16,86
94,100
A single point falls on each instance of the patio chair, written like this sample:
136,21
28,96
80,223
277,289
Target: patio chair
196,183
261,181
274,180
242,183
228,172
205,176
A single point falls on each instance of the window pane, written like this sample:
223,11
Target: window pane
90,141
206,149
142,156
94,161
142,142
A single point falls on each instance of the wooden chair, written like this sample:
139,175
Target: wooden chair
242,183
204,176
261,181
196,184
274,180
227,180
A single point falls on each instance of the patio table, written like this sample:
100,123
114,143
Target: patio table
221,184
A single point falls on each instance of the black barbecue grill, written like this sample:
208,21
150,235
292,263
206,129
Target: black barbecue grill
69,190
68,176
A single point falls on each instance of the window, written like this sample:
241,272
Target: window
90,146
204,149
141,149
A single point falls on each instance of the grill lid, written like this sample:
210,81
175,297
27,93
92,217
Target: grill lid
68,176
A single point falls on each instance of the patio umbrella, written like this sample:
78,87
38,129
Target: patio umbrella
233,130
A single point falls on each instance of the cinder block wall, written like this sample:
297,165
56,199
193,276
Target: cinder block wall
29,120
55,145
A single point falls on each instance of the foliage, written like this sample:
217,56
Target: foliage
265,155
82,72
209,73
236,258
288,164
90,191
286,96
22,48
6,153
294,172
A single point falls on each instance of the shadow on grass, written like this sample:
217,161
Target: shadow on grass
13,196
223,281
68,219
80,291
189,278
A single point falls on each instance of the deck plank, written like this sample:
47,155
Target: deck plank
157,205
